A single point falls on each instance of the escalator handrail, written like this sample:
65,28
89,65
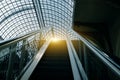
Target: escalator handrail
26,73
101,55
16,39
78,71
8,42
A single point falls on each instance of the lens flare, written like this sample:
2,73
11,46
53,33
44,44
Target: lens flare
55,39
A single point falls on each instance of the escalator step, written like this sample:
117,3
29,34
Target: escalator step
54,65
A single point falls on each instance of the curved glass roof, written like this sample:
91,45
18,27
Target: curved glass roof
58,14
18,17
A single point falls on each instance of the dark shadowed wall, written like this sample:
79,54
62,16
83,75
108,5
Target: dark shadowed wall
105,12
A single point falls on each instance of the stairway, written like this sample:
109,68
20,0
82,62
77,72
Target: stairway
55,64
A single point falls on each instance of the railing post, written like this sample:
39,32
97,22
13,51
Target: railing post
52,30
40,40
11,61
23,53
85,58
80,50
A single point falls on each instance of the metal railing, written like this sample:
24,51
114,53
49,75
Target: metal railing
90,51
36,60
77,68
18,53
18,56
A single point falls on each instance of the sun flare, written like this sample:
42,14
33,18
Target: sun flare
55,39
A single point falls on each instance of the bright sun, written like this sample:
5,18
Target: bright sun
55,39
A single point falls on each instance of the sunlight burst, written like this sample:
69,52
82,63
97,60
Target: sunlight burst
55,39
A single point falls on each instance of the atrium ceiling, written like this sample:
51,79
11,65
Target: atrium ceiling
19,17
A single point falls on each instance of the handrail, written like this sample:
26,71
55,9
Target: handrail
20,46
10,41
77,69
36,60
83,74
101,55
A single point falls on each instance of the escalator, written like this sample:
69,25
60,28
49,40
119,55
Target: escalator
61,60
55,63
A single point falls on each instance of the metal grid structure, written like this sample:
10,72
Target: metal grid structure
44,19
58,14
19,17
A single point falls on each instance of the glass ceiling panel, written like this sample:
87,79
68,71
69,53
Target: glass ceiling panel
58,14
17,17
